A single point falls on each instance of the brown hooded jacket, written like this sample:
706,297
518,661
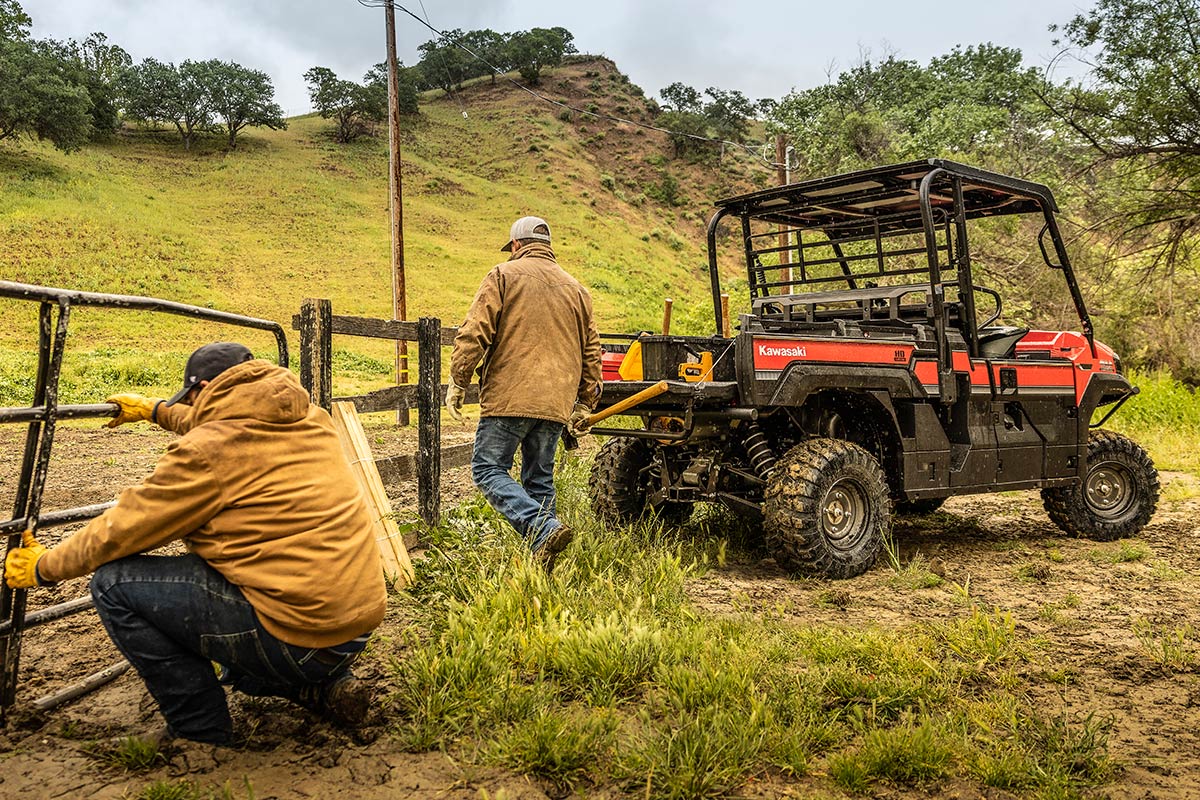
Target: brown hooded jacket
257,486
531,324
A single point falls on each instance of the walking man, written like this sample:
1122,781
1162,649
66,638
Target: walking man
282,583
531,326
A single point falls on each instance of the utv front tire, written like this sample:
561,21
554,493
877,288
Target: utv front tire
826,509
620,481
1117,496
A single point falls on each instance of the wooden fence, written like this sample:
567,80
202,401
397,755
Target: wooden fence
317,325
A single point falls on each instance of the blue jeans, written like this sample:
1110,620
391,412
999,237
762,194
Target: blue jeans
173,616
528,505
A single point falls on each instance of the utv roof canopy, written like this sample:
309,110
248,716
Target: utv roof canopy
890,197
896,225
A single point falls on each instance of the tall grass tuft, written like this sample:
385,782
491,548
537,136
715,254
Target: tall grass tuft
910,754
130,753
602,660
1016,748
554,744
695,756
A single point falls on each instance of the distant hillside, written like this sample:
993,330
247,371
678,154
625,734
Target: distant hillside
292,214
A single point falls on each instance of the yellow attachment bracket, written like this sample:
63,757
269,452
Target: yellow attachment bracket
693,371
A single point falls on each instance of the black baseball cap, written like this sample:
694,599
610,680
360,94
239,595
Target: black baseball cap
208,362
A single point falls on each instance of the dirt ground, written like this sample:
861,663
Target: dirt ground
1101,614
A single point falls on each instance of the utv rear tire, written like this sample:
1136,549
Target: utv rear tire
918,507
620,481
1117,496
826,509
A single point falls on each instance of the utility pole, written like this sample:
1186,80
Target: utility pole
781,169
399,303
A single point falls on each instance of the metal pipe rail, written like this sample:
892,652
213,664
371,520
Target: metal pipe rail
51,613
54,519
41,417
42,413
50,294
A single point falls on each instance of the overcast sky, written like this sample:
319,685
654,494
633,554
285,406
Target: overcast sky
764,48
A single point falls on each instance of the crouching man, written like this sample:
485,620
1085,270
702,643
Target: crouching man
282,583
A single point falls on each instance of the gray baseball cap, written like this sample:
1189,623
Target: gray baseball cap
526,228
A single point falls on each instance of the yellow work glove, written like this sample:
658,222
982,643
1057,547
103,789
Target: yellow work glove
20,568
454,400
579,417
134,408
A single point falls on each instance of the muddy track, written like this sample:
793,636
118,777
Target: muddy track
1093,609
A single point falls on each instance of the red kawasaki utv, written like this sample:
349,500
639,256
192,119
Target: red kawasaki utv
867,379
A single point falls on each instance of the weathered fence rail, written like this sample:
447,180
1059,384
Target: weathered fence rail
317,325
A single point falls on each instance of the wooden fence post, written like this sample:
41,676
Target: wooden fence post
316,350
429,419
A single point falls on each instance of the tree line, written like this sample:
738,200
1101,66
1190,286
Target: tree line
445,64
358,108
72,92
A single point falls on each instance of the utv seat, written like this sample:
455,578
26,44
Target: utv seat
1000,341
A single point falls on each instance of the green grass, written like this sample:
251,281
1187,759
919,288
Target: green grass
604,674
1053,611
554,744
913,574
1164,419
130,753
908,754
184,789
1176,650
1123,552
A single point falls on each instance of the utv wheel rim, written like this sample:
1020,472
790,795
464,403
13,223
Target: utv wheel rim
1109,490
844,514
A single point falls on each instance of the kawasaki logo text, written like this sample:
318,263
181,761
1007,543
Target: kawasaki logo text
787,352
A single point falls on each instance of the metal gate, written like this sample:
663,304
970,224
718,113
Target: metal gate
41,416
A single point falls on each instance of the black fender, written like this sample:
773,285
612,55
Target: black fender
866,393
802,379
1103,388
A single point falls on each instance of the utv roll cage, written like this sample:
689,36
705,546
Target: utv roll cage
869,230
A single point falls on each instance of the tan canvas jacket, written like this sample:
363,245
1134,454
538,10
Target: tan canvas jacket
531,325
257,486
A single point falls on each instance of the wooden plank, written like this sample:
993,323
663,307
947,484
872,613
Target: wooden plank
388,399
458,455
398,469
396,563
405,331
379,328
394,397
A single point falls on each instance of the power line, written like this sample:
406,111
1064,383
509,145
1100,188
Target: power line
596,115
456,97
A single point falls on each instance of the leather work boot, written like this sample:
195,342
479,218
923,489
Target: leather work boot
547,554
344,701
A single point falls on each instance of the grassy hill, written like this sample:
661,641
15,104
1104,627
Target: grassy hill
292,214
